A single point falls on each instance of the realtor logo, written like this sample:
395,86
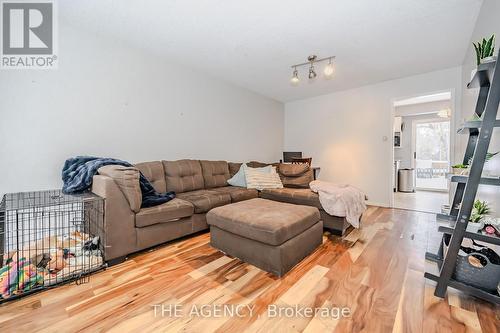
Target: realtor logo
28,35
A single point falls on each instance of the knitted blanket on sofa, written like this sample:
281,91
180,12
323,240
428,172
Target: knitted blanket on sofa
78,172
348,198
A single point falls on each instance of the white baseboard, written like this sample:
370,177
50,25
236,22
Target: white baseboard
378,204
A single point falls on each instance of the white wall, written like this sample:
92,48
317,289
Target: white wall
487,24
107,99
344,131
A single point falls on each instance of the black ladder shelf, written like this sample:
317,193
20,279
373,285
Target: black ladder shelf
487,79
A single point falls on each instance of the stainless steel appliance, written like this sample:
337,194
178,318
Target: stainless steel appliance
406,180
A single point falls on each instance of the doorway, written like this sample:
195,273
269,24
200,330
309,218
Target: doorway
422,149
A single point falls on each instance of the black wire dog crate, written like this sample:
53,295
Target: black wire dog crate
48,238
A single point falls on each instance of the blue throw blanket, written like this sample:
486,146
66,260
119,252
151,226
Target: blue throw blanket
77,176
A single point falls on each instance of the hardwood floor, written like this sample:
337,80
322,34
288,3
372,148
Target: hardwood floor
423,201
376,272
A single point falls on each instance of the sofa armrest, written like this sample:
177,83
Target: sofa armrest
119,220
127,179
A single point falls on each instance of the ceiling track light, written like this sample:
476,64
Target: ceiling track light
295,77
328,71
312,73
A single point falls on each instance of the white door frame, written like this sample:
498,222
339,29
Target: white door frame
414,148
390,131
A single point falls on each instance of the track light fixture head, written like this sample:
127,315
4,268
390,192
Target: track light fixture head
329,69
311,60
312,73
295,77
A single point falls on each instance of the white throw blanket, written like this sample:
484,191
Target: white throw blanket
350,198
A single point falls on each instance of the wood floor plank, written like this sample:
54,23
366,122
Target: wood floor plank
302,287
437,312
322,323
489,317
409,317
210,267
464,321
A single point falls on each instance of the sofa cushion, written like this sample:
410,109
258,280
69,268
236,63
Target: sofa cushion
296,175
153,171
204,200
266,221
233,168
215,173
183,175
238,193
297,196
170,211
127,179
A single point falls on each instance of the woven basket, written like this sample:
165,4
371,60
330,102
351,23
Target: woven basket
486,277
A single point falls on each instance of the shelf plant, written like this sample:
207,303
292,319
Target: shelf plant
489,156
460,166
462,169
479,210
484,49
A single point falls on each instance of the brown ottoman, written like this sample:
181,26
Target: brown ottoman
271,235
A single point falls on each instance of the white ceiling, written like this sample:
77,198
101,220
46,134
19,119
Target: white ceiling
253,43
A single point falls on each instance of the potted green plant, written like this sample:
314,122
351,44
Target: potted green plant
485,50
463,169
479,210
460,169
489,156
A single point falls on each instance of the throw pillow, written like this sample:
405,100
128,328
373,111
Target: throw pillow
296,175
301,181
291,169
127,179
239,179
260,180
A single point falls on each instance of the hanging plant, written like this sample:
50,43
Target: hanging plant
484,49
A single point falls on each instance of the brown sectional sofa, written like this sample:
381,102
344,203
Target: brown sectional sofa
200,186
